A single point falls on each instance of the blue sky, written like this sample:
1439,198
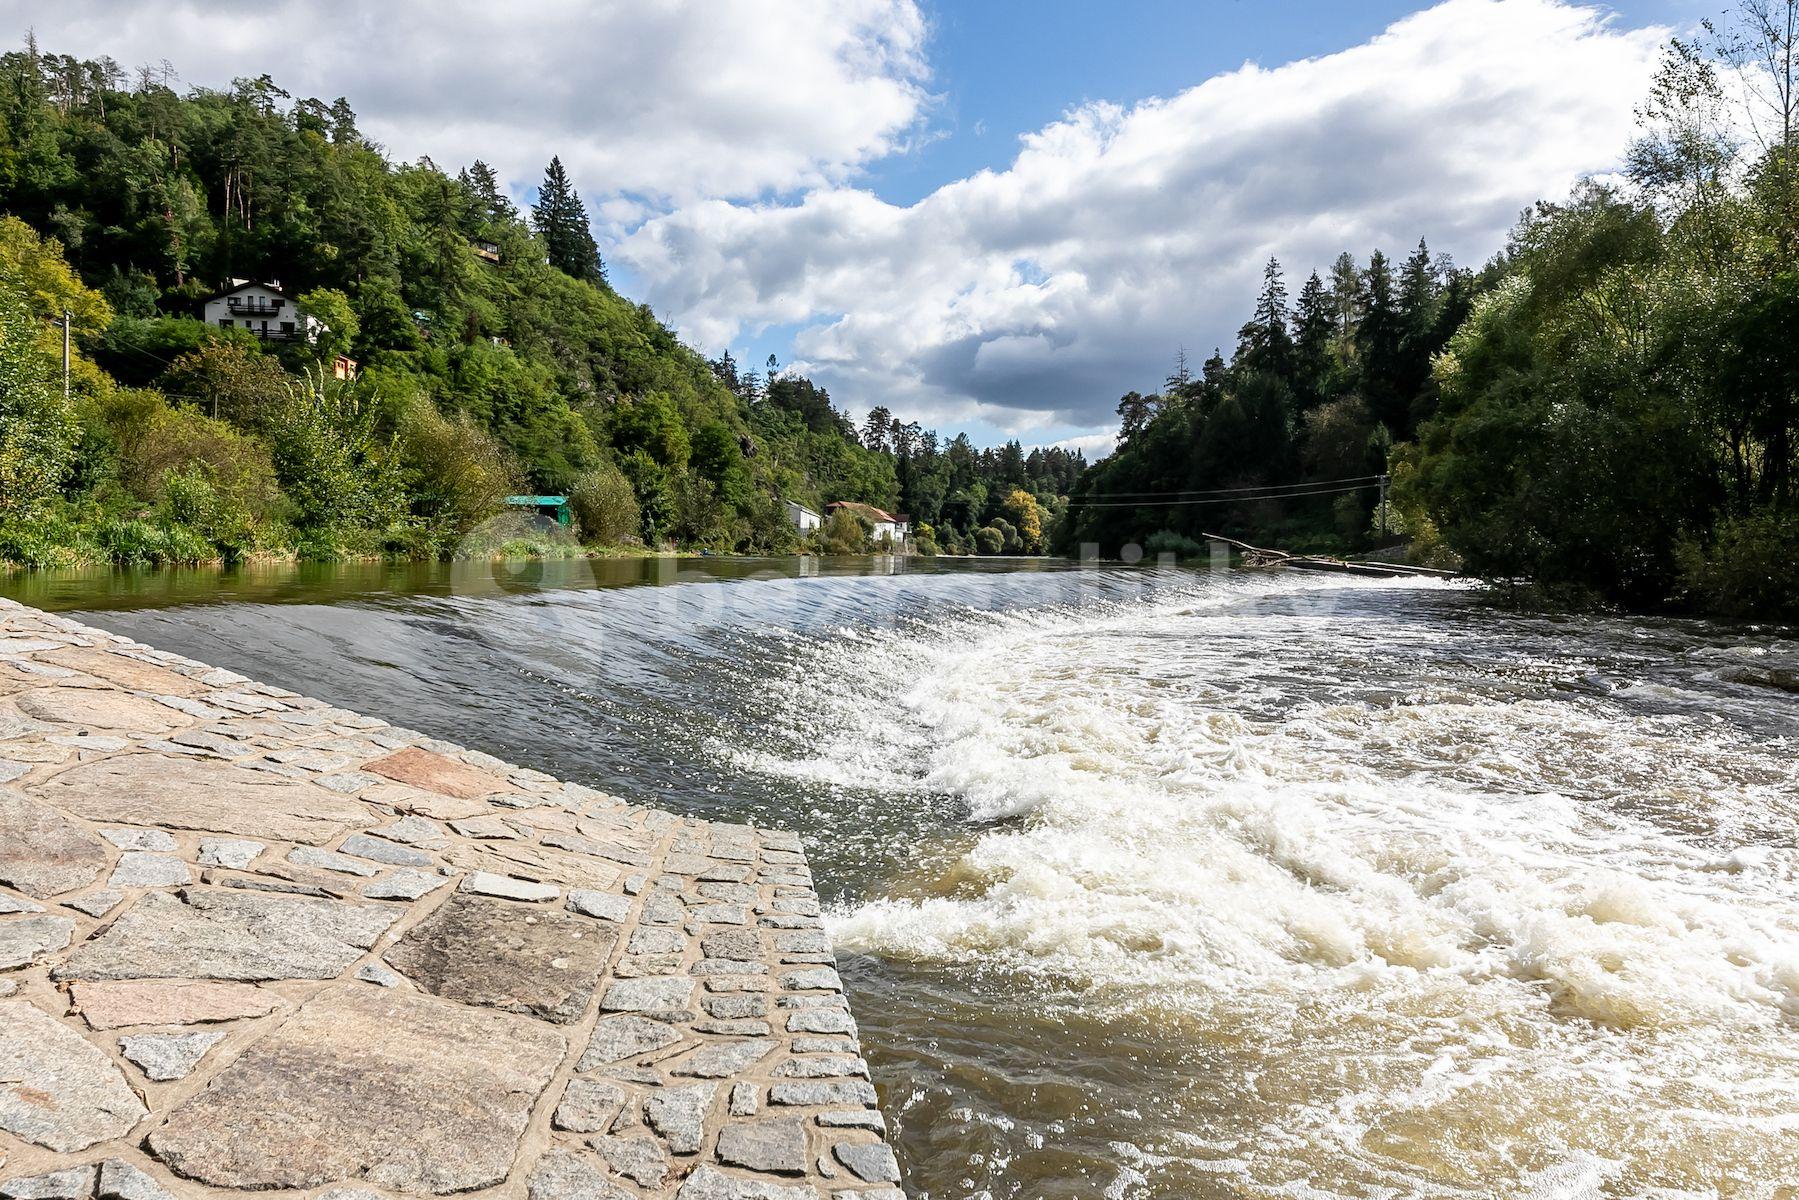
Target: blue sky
994,217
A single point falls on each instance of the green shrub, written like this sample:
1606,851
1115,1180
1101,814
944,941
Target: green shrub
156,442
988,540
1751,569
136,542
336,465
191,500
605,508
51,539
457,473
843,533
1167,542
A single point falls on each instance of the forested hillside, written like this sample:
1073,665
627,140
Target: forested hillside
1288,439
491,354
1607,412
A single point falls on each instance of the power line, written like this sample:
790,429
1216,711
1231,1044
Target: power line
1266,487
1223,499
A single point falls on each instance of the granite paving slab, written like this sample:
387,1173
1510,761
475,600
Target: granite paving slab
253,943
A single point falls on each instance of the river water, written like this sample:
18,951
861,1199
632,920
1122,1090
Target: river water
1158,883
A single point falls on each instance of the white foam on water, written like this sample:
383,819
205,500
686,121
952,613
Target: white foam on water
1480,932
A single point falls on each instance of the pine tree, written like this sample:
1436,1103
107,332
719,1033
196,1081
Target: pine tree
1179,378
1212,370
877,432
561,221
1346,301
1419,300
1134,413
494,206
1314,327
343,123
1265,344
1377,340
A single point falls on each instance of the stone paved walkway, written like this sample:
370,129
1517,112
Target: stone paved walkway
251,942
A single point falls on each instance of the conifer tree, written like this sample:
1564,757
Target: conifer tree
1346,302
1265,344
1419,300
561,220
492,203
1377,342
1313,329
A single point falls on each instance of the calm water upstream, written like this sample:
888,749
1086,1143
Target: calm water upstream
1161,884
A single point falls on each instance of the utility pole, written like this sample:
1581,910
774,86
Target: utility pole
65,354
1383,505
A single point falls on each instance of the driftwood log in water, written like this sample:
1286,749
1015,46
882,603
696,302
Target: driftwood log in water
1258,556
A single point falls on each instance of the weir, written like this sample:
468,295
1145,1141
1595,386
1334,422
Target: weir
251,942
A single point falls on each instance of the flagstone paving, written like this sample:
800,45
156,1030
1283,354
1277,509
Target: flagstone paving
250,942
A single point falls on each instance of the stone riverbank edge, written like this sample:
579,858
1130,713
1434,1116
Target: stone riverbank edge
250,942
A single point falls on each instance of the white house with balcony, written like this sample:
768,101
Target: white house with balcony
263,309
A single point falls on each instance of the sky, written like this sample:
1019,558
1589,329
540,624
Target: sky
994,216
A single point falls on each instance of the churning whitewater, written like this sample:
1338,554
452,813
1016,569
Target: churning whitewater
1440,902
1158,885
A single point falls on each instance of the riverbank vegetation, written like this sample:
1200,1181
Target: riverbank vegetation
1607,412
470,351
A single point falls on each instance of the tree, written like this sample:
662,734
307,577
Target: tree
877,431
233,381
1377,345
1418,302
1265,343
1347,301
335,462
456,473
1312,334
844,533
36,272
38,430
1021,509
561,221
493,207
606,509
334,311
1134,412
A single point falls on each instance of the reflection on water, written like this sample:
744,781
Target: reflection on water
1153,884
101,588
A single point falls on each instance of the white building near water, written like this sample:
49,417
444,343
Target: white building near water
881,523
803,518
263,309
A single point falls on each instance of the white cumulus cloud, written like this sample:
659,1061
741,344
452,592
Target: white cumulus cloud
1030,297
662,100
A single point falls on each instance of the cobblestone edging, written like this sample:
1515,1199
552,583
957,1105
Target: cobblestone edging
251,942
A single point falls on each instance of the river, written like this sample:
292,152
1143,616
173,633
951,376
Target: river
1170,884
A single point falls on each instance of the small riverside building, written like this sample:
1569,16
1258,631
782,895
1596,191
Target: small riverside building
553,507
263,309
882,524
803,518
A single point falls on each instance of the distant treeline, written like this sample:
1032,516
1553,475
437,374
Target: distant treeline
1608,412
